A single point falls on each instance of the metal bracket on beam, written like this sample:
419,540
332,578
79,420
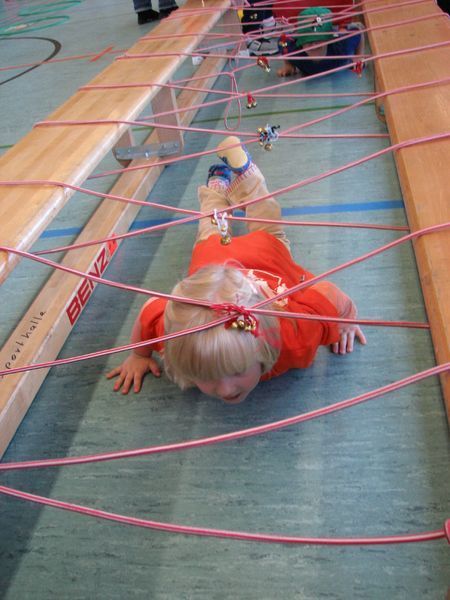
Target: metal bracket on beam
132,152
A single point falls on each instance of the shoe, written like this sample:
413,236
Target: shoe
165,12
263,47
219,172
238,159
147,16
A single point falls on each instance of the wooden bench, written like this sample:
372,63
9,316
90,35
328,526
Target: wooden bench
423,169
70,154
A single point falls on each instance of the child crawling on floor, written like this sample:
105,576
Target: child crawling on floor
316,28
227,361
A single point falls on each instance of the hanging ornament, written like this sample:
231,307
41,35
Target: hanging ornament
263,63
358,67
268,135
251,101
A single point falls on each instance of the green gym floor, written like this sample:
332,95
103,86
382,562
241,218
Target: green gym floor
380,468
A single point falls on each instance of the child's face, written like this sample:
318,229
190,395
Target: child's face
232,389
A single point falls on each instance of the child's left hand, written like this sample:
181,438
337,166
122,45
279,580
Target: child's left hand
348,332
346,309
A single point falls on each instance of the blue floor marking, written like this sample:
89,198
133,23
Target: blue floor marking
296,210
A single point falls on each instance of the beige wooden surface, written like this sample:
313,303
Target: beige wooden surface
53,303
70,153
424,170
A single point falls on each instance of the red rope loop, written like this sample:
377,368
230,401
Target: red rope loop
244,321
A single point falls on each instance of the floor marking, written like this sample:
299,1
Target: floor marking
298,210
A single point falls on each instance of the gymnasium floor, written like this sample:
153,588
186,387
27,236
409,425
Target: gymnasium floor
380,468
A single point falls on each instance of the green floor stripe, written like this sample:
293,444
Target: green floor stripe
269,114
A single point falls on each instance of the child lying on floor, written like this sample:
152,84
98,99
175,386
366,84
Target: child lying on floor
227,361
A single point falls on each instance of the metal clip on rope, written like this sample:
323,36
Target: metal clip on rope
220,219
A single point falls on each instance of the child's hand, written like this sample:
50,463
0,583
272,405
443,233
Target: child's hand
345,309
132,371
287,70
348,333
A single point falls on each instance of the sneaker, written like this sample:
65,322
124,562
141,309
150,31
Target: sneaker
263,47
219,172
238,159
165,12
147,16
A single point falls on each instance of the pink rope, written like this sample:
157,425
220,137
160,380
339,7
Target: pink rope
199,531
88,56
343,67
411,236
77,188
209,152
227,56
165,338
152,229
174,85
256,308
222,533
278,192
293,29
380,95
232,436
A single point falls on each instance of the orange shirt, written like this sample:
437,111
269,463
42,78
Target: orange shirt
268,261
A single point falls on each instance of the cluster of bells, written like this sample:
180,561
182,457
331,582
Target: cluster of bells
251,101
263,63
244,323
283,43
267,135
358,68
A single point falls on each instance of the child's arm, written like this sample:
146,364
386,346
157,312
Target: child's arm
346,309
134,368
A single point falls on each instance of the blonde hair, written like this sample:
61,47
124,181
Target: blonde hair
218,351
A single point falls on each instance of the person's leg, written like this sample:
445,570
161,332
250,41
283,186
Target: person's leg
258,23
356,44
141,5
166,7
213,196
250,184
145,13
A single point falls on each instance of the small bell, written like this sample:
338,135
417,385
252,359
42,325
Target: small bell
251,102
283,43
357,68
263,63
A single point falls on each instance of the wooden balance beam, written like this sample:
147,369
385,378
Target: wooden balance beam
423,169
70,154
47,323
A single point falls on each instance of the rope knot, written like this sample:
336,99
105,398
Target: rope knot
244,320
